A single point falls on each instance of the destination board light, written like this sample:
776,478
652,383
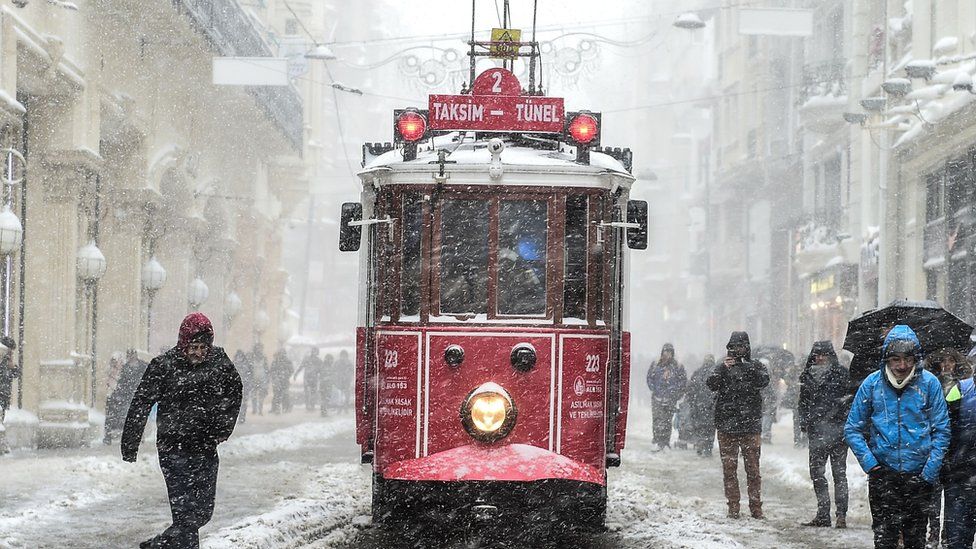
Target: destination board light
412,126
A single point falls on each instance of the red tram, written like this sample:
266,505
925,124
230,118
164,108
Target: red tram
493,354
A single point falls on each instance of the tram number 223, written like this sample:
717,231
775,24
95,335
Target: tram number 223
390,358
593,363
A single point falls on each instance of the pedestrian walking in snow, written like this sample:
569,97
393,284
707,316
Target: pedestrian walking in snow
701,404
281,371
8,372
343,375
327,388
260,377
898,428
949,366
959,469
822,408
666,378
246,370
117,403
738,382
312,366
198,393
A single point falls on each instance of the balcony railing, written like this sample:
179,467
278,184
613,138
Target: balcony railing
231,33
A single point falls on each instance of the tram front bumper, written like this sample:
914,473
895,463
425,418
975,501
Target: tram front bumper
494,485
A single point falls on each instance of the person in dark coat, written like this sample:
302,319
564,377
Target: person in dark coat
327,386
244,368
8,372
260,379
312,366
117,403
666,378
959,468
701,403
343,374
822,406
738,383
198,395
281,370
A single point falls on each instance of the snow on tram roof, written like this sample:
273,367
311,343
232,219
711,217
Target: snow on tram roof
471,152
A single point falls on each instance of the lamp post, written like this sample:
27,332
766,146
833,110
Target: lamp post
232,306
153,278
198,293
12,240
90,265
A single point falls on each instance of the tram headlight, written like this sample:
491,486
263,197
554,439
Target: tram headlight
488,413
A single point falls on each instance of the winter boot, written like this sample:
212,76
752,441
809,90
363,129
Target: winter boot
733,512
755,509
820,521
841,521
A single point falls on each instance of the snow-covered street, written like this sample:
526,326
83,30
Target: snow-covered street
294,481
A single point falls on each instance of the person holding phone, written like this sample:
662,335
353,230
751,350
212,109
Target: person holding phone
738,382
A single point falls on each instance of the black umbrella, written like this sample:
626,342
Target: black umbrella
936,328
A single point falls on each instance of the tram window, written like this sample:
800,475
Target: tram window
574,275
464,257
599,258
522,231
413,207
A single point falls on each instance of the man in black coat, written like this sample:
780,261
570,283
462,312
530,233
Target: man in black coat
823,406
738,382
198,392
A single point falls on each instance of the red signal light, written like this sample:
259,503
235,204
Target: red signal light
412,126
583,128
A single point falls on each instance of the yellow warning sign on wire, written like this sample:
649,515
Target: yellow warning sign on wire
505,43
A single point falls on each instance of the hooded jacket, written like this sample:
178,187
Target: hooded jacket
824,400
960,459
198,404
738,391
667,379
907,430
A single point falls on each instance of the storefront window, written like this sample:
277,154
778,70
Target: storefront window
464,257
410,273
522,232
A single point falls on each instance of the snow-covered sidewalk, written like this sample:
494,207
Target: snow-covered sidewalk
283,480
674,499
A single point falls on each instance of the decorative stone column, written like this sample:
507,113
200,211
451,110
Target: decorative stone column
52,238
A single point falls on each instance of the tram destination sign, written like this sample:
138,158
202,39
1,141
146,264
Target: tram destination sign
496,104
518,113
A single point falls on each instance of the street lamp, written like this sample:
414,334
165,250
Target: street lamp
153,278
320,51
11,231
689,21
198,293
90,262
232,306
261,321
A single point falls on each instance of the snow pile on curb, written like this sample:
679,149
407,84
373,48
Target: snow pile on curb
328,509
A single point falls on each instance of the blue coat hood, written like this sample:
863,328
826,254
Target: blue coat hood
902,332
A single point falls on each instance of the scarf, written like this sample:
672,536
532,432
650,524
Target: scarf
904,382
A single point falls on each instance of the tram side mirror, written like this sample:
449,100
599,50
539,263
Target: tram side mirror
637,213
350,235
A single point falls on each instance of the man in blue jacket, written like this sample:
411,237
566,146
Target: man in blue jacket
899,430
